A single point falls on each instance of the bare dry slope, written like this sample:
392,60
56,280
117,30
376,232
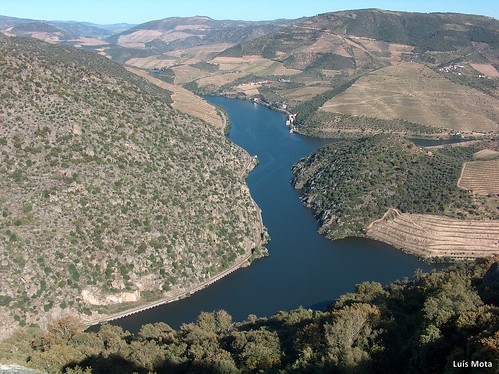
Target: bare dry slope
416,93
185,101
437,236
481,177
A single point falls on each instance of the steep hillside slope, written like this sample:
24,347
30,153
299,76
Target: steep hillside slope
108,195
352,183
67,32
415,93
376,35
302,66
180,32
165,37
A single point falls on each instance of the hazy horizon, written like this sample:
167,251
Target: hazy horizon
137,12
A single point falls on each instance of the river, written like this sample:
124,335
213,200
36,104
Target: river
304,268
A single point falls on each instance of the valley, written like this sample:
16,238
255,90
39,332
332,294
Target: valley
131,179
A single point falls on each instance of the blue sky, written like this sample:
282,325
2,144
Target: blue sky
139,11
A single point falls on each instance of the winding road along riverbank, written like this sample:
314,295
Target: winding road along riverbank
303,268
240,262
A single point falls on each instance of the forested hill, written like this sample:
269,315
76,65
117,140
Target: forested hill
423,325
435,32
354,182
108,195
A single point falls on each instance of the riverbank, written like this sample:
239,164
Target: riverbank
314,268
251,253
349,194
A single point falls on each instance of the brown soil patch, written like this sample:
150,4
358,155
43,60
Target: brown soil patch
416,93
139,36
219,79
185,101
203,52
481,177
186,73
486,154
151,62
330,43
486,69
304,93
437,236
89,41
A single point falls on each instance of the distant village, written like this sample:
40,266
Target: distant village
454,68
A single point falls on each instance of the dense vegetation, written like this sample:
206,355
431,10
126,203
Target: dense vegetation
428,32
108,195
421,325
341,125
351,183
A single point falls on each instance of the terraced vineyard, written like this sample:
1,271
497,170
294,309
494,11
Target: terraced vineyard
481,177
430,235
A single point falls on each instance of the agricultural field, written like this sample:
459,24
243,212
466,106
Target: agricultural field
481,177
392,53
151,62
203,52
415,93
234,68
431,235
350,184
185,101
186,73
486,69
86,41
486,154
301,94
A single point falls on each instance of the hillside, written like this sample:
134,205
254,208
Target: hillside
108,195
186,102
433,236
415,93
428,75
161,37
422,325
480,177
352,183
306,64
78,34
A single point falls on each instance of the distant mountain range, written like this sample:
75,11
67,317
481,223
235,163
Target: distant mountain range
59,30
122,42
174,33
304,64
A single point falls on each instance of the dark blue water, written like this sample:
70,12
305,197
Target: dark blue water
303,268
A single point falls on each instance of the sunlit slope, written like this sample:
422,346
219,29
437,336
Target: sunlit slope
108,194
430,235
351,184
185,101
481,177
416,93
